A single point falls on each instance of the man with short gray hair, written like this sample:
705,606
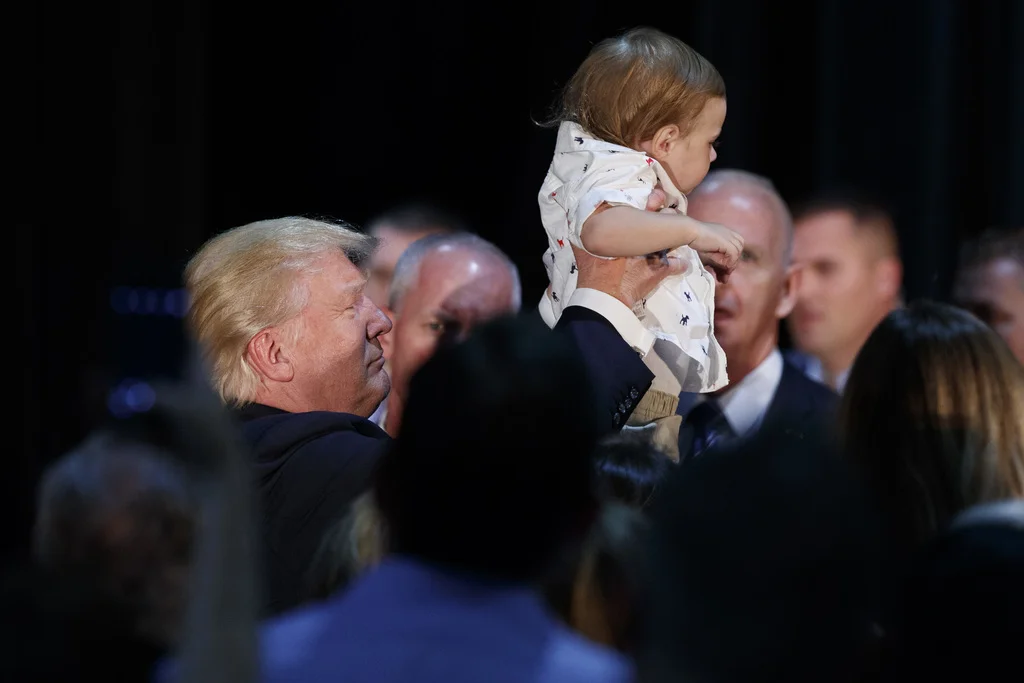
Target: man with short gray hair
759,293
443,286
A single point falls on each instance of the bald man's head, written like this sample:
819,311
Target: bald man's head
759,193
759,292
444,286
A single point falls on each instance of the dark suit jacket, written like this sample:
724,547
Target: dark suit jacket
800,400
311,466
799,403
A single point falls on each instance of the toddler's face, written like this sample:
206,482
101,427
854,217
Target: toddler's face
688,160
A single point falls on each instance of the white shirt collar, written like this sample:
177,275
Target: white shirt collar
380,414
745,403
816,371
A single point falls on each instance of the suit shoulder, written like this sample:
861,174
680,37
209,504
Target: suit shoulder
316,444
799,398
813,389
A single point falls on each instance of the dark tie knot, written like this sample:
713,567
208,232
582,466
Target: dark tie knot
708,423
706,414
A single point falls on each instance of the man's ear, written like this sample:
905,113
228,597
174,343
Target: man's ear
664,140
387,341
889,276
790,286
269,357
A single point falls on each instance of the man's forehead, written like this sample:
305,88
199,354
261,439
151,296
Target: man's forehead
343,279
460,277
456,262
832,234
748,210
998,273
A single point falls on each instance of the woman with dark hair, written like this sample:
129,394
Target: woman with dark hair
629,468
934,414
596,589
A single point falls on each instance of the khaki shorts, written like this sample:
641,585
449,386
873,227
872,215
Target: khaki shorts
656,413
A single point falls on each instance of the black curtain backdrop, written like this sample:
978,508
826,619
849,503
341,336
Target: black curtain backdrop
145,127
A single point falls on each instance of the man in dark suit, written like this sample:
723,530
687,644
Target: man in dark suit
293,342
763,387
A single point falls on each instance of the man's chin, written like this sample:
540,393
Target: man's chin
726,336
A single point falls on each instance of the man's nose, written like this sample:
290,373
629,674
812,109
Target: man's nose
379,324
723,288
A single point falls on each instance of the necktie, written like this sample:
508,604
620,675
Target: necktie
709,426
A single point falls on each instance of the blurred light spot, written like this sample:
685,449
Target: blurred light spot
131,396
133,301
140,397
175,303
152,301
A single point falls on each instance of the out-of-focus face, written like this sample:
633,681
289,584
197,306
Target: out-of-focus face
456,288
842,294
382,264
994,292
335,349
749,306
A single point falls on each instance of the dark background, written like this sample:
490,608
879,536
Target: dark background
144,127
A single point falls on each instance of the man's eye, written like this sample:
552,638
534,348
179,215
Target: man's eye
747,256
436,326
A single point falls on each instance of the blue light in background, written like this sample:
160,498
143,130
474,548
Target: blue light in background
129,397
149,301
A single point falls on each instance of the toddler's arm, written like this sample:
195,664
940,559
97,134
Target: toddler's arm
615,231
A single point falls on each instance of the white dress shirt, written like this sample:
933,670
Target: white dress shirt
816,371
746,402
380,414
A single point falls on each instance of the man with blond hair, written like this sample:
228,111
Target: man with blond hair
293,342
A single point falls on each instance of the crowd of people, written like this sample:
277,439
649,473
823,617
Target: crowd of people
382,466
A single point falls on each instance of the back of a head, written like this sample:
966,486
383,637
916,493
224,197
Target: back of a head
961,616
762,566
632,85
492,469
119,514
630,468
934,414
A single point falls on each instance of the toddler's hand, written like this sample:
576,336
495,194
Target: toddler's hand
719,248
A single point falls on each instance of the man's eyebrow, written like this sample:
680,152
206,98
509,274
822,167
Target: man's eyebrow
444,314
352,288
355,285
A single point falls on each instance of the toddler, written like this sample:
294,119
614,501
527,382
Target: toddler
643,111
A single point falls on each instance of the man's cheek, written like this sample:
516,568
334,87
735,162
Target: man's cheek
423,350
